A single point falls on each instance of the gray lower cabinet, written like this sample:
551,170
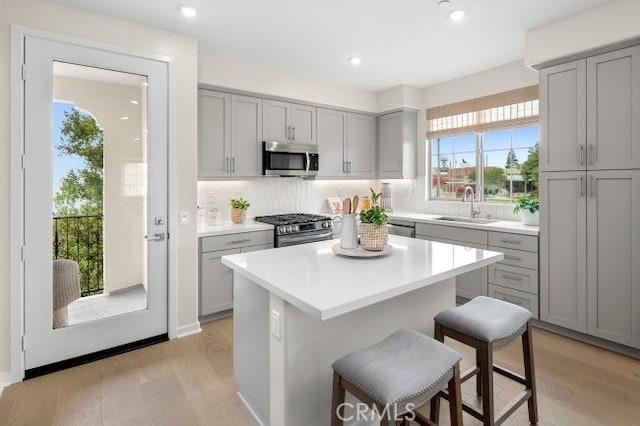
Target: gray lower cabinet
397,145
216,280
472,283
514,279
590,244
229,135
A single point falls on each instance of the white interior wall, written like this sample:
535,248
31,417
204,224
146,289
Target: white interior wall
47,16
235,75
592,29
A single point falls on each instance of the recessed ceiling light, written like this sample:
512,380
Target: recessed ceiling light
444,3
124,118
457,15
134,102
354,60
188,11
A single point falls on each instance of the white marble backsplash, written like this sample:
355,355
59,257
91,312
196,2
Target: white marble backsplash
294,195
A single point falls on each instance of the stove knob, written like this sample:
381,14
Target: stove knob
282,229
289,229
325,224
296,228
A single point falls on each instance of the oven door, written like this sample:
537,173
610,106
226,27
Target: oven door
303,238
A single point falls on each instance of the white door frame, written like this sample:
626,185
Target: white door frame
16,200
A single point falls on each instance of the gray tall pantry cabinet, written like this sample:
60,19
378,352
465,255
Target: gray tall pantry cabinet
590,196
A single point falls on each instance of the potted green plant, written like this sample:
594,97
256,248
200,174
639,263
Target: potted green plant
528,209
373,225
239,208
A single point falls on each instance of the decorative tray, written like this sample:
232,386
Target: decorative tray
359,251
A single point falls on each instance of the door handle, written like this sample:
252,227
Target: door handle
227,169
233,165
155,237
581,154
592,180
294,132
581,186
592,153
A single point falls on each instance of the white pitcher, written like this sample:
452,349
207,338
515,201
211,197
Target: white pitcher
349,232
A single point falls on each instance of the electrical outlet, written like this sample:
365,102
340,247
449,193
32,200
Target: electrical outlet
275,324
211,196
184,217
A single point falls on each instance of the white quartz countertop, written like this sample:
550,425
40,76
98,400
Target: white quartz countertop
325,285
232,228
514,227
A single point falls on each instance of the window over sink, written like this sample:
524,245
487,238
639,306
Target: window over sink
489,144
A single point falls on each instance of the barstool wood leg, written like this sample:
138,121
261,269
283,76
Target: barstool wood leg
486,366
337,401
479,375
455,398
434,411
529,374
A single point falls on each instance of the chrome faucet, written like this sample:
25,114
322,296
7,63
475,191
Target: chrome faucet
467,190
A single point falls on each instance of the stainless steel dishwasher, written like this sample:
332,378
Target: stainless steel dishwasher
401,227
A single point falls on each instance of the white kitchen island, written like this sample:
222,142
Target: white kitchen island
297,309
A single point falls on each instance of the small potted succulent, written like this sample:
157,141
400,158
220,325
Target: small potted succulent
528,209
373,225
239,208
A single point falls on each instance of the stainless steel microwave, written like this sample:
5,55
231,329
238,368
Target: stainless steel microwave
289,159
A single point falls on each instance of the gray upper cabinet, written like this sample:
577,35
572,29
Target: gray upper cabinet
563,104
214,134
613,94
563,249
397,142
589,108
361,145
229,135
613,254
332,137
287,122
246,136
347,144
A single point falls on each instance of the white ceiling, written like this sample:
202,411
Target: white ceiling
400,41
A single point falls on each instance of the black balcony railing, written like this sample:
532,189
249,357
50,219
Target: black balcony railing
79,238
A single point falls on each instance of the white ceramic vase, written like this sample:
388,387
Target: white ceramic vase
530,219
349,232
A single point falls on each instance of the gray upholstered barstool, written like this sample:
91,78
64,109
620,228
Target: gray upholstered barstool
487,325
397,375
66,289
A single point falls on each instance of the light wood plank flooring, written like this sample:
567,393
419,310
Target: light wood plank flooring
190,381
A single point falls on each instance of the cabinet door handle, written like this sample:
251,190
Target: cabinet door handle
294,132
344,167
581,186
504,240
516,258
515,302
593,184
233,165
227,168
511,277
592,154
239,241
581,154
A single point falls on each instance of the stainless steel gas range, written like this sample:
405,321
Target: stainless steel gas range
298,228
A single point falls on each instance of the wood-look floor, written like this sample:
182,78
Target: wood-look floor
189,382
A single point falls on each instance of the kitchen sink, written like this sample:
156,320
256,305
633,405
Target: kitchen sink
465,219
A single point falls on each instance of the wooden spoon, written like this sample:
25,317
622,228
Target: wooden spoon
346,206
354,204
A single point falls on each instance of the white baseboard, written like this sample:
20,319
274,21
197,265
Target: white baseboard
188,330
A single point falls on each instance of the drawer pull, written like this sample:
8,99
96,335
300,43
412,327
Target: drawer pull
511,277
515,302
504,240
239,241
516,258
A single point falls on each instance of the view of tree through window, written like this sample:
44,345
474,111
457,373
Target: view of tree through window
499,165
